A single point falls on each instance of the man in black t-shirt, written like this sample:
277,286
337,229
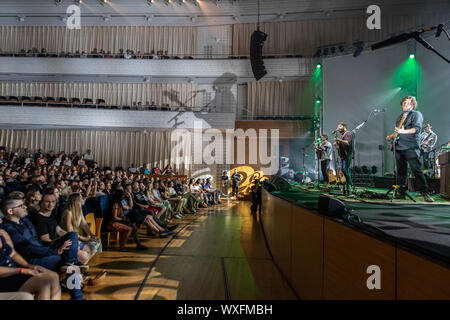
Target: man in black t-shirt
408,127
235,179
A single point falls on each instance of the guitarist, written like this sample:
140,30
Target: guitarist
324,154
408,127
345,150
427,141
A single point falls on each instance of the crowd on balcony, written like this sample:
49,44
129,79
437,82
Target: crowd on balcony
95,53
46,197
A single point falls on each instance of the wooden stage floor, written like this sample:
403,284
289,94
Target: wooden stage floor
218,254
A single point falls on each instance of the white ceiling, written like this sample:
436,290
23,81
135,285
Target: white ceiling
208,12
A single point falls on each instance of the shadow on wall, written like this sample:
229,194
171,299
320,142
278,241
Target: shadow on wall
224,99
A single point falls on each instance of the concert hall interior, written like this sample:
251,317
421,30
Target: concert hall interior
223,150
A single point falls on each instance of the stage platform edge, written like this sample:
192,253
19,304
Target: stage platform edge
324,258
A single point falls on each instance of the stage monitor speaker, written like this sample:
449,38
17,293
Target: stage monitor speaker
331,207
256,45
434,185
280,183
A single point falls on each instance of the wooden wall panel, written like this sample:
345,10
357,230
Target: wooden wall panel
307,253
418,278
281,235
347,254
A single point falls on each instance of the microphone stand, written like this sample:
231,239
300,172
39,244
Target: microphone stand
353,132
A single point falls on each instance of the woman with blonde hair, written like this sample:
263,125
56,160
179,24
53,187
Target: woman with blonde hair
72,220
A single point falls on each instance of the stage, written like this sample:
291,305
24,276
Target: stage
421,225
409,239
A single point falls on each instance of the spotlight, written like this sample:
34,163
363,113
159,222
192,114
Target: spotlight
359,47
318,66
235,18
21,19
412,56
318,100
150,2
79,1
281,16
63,18
102,2
148,18
106,18
193,19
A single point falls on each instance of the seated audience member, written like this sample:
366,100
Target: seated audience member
2,188
156,170
67,162
198,193
144,169
180,202
37,183
17,275
72,220
41,161
160,201
216,193
139,106
32,201
168,170
128,55
82,164
47,227
132,169
89,158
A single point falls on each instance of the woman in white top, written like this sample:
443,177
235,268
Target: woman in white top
72,220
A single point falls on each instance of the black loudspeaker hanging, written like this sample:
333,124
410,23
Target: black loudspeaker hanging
256,59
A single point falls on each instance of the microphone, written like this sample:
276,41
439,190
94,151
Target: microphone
333,132
379,110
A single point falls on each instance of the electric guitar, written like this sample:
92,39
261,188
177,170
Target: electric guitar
394,137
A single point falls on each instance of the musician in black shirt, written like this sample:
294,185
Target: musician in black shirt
407,146
345,150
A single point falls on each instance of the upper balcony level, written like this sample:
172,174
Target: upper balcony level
149,70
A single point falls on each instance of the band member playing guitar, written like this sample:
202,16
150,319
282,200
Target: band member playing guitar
406,139
427,141
324,154
345,150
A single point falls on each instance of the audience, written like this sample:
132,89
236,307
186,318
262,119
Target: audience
43,225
